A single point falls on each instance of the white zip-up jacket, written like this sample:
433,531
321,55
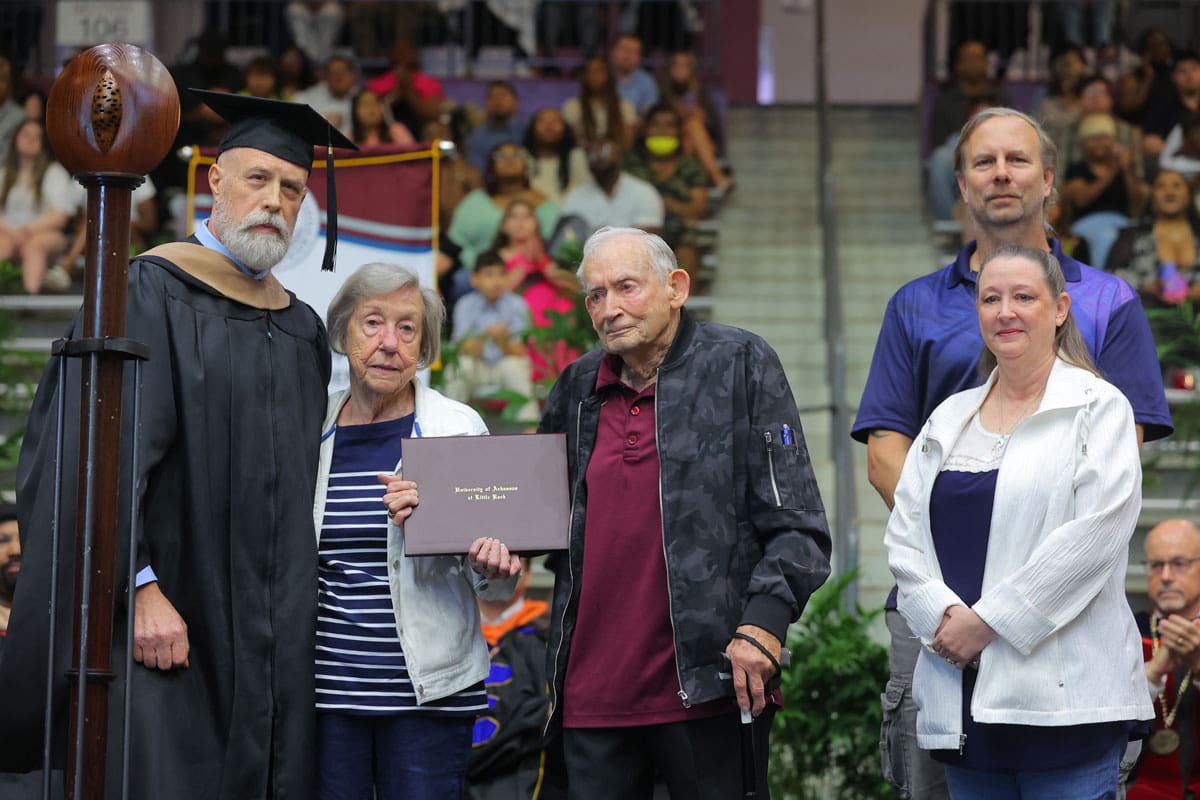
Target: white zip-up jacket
1068,494
433,597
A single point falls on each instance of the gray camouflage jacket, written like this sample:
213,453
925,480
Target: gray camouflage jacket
744,530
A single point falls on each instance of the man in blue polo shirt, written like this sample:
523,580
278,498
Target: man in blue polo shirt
929,348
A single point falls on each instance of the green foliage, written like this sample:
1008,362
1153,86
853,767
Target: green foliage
1177,339
825,740
19,372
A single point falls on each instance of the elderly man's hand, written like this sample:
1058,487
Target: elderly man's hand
491,559
400,498
160,638
1182,637
751,669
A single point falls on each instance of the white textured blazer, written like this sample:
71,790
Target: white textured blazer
1068,494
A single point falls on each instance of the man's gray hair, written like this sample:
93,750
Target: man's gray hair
1048,151
376,280
659,254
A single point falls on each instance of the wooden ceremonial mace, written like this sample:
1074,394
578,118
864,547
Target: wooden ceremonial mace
111,117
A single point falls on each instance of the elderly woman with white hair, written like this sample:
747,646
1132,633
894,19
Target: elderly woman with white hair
400,659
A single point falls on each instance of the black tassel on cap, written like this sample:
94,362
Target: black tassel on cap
331,225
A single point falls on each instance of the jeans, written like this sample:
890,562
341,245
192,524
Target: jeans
908,768
1101,230
410,756
1070,16
1093,780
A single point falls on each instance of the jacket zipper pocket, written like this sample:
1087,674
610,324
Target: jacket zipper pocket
771,467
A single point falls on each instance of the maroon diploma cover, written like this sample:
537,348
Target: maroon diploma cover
513,488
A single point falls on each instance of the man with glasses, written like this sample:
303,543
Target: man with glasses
1170,763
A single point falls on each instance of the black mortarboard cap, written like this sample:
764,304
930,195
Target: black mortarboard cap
285,130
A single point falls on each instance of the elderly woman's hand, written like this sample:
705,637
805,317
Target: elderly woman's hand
962,636
491,559
400,498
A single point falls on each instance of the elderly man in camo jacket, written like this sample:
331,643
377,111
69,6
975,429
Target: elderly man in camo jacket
697,536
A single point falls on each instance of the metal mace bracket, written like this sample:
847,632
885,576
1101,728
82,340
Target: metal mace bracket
128,349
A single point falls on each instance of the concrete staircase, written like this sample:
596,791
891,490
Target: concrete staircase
769,280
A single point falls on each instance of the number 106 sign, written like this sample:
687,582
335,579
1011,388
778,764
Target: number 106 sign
82,23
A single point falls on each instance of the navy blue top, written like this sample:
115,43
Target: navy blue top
360,666
960,516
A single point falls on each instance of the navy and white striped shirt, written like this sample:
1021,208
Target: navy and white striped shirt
359,662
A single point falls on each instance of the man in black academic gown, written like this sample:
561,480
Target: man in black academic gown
232,403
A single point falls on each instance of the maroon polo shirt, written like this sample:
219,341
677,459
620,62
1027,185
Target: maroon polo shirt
621,671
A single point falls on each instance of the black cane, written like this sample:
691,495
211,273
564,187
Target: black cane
749,747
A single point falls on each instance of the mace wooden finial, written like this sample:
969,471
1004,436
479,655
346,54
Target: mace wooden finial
113,109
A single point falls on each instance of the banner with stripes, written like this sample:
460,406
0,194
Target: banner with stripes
387,211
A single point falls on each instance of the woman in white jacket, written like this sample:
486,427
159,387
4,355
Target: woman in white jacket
1009,543
400,658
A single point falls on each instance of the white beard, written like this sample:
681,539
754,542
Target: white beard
258,251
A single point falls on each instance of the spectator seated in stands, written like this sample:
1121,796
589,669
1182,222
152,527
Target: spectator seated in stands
614,197
703,132
1058,107
658,158
1103,190
598,112
634,84
559,164
37,200
500,126
260,78
143,230
1145,96
371,124
478,216
413,96
10,568
544,285
333,97
457,178
507,760
1160,256
489,329
315,26
1096,97
296,72
1181,152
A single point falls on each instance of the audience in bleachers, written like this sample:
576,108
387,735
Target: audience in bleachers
1095,97
315,26
260,78
532,273
478,216
333,95
457,177
703,135
1147,96
658,158
489,329
636,86
1057,108
296,72
613,196
1181,152
501,124
558,164
370,123
598,112
413,96
37,200
1103,190
1160,256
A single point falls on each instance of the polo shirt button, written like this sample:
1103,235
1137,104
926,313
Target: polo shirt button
635,410
632,440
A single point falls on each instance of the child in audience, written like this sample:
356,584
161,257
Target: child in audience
489,328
